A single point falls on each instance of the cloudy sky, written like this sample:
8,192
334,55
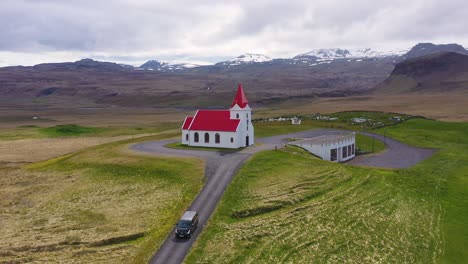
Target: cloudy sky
204,31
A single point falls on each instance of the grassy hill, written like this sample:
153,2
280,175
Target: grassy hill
103,204
291,207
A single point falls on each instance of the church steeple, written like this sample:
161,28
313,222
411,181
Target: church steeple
240,99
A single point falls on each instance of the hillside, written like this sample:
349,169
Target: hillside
56,85
439,72
317,73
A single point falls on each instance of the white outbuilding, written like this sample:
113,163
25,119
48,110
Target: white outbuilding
230,128
336,146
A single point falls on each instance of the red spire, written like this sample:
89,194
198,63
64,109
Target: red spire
240,99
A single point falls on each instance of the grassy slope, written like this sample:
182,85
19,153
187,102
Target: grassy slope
367,144
285,207
446,176
72,130
98,204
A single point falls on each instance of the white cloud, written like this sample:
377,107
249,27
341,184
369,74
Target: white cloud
54,30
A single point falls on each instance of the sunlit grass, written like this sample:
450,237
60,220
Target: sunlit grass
287,207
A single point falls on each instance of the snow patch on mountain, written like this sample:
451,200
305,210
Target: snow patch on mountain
154,65
247,58
250,57
336,53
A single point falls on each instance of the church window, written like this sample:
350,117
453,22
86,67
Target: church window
217,138
237,116
186,137
207,138
195,137
232,140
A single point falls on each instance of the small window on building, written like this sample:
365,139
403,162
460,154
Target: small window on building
247,115
333,154
349,150
345,152
207,138
237,116
217,138
186,137
352,148
232,140
195,137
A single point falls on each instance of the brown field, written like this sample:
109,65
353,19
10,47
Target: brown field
33,150
97,205
446,107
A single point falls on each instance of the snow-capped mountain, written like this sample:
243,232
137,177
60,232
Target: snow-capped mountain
333,54
154,65
247,58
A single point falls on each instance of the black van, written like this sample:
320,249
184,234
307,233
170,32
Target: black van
187,224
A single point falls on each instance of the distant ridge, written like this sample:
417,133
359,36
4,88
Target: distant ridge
423,49
84,64
436,72
154,65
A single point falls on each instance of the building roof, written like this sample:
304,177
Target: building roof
212,120
333,137
240,99
187,122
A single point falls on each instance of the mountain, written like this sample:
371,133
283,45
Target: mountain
84,64
154,65
433,73
323,55
248,58
423,49
318,73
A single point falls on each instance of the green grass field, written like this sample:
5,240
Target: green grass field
288,207
267,129
98,205
72,130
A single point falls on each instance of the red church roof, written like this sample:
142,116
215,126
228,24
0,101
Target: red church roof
187,122
241,99
212,120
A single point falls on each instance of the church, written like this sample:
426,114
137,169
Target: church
221,128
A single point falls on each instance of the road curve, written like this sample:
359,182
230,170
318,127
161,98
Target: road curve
397,155
222,166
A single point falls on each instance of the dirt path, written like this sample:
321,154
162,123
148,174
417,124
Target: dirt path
221,168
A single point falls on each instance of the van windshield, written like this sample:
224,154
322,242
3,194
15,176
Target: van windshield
184,224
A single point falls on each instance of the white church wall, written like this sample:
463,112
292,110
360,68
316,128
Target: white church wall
185,136
225,139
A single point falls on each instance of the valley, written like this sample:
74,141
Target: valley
72,189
